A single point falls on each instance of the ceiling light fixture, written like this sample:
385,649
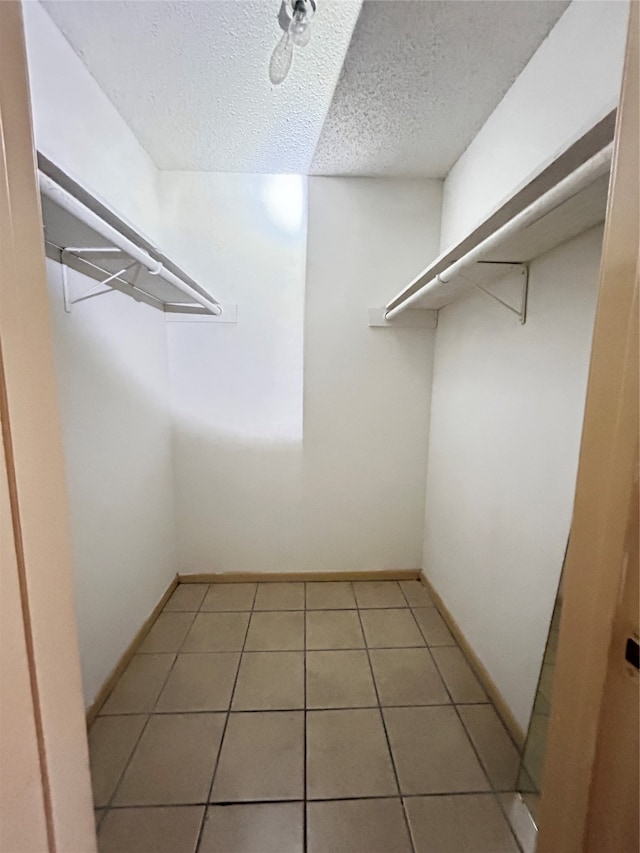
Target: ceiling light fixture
294,18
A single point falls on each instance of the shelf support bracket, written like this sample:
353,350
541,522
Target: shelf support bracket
101,288
520,310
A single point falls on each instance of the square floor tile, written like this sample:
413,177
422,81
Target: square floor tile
280,596
229,596
390,628
378,594
460,823
433,627
200,682
158,830
497,751
276,632
407,677
262,758
217,632
111,742
254,828
339,679
458,675
173,762
330,595
270,681
348,755
432,752
357,826
334,629
416,594
139,685
167,633
187,597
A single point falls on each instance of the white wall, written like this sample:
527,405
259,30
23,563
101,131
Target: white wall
111,363
78,128
367,390
111,360
299,432
571,82
506,420
237,389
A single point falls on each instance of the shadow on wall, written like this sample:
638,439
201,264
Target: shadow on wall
111,365
289,466
277,506
238,499
300,433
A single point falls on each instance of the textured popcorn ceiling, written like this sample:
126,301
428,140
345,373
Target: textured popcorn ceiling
419,79
192,78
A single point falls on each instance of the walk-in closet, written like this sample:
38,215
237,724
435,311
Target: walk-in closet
321,286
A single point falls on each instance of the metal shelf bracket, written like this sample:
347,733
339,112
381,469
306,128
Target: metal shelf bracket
102,287
519,310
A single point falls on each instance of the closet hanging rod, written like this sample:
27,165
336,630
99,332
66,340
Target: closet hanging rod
76,208
561,192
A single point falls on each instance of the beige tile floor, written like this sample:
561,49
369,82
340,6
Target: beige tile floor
291,717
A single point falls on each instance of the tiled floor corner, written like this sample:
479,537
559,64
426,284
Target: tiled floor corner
301,718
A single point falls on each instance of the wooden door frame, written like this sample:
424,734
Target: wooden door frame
594,571
32,441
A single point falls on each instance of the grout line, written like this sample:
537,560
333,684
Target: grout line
99,821
312,800
386,733
402,796
520,749
483,766
323,649
476,752
164,684
193,614
137,743
224,728
487,699
206,593
302,609
149,716
210,586
156,713
305,841
404,806
461,720
493,791
491,705
289,709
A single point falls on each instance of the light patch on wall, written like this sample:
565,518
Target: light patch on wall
283,197
239,385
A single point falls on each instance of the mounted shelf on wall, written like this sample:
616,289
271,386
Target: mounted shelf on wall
564,200
81,232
